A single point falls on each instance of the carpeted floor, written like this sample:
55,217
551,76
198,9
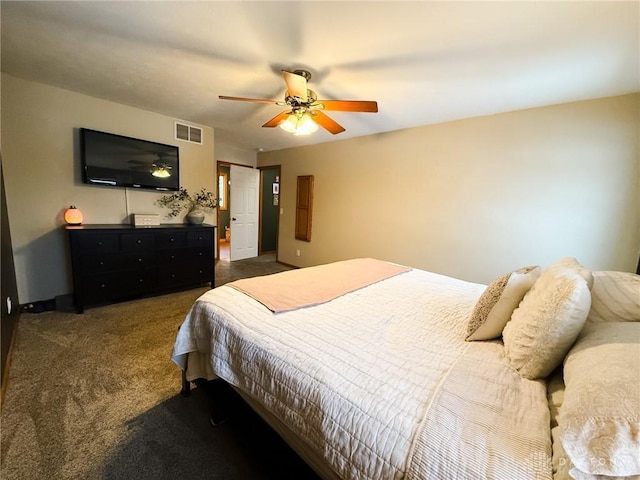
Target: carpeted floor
227,271
96,396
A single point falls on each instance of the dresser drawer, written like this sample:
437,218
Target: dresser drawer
173,256
170,276
97,264
126,261
179,255
137,260
136,283
137,241
99,288
115,286
171,240
202,255
201,238
92,243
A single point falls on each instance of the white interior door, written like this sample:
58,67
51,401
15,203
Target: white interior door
244,205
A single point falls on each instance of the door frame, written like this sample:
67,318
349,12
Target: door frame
221,163
262,186
218,165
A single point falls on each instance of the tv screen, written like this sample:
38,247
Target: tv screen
117,161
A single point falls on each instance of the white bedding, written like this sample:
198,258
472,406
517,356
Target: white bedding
379,381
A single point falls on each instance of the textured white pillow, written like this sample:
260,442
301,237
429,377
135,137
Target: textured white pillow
615,297
573,264
563,469
547,322
599,421
498,301
575,474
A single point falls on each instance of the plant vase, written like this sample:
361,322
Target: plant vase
195,216
197,204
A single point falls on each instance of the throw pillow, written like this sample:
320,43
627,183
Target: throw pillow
573,264
547,322
599,421
498,301
615,297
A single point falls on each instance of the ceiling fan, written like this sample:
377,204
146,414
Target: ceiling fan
305,110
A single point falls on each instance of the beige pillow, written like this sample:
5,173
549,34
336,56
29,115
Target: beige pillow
547,322
573,264
497,303
615,297
599,421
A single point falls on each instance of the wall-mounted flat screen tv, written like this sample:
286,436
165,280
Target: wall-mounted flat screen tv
118,161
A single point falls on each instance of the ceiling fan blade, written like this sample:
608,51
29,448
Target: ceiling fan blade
349,105
327,123
244,99
296,85
275,121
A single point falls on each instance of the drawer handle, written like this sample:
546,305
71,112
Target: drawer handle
103,286
199,238
101,263
173,257
171,240
99,244
139,259
139,241
140,280
199,254
201,271
173,275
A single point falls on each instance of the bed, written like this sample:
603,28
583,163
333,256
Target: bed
372,370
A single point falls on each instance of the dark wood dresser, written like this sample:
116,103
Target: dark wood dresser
111,263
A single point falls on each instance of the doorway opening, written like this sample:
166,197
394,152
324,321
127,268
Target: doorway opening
269,218
224,202
236,212
268,214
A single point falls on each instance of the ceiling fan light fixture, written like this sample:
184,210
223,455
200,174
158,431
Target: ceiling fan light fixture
299,124
161,172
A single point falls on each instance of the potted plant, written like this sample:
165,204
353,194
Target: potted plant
196,204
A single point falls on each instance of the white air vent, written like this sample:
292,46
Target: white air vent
188,133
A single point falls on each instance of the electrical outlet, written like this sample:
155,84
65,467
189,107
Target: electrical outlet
297,253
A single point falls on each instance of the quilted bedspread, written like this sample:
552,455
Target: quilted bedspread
379,382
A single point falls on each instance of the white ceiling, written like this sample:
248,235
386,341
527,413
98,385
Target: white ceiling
423,62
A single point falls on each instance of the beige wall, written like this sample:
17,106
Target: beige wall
42,173
232,154
476,198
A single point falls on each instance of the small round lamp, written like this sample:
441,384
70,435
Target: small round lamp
73,216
